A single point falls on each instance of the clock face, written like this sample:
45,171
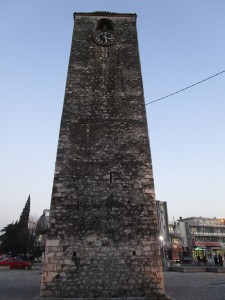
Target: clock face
105,38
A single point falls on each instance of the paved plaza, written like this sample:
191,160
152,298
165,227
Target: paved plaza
19,284
24,285
195,286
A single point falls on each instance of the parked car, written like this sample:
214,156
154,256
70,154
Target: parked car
16,263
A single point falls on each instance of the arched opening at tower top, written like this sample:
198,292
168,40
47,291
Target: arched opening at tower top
105,24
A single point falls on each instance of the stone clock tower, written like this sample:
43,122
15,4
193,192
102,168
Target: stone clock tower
103,237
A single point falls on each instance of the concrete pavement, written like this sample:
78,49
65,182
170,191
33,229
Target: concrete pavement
194,286
25,285
19,284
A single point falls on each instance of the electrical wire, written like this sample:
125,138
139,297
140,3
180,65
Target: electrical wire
188,87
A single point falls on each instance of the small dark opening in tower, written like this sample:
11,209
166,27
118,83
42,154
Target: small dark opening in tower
74,253
105,24
134,253
110,177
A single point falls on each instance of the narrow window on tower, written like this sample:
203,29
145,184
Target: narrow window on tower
110,177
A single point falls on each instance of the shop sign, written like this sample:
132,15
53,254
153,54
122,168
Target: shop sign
208,244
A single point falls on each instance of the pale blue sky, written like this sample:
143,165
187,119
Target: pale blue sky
181,42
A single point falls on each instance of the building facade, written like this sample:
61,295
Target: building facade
203,236
187,239
171,240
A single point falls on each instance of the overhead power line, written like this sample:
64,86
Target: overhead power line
188,87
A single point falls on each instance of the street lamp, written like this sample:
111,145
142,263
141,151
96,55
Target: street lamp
161,238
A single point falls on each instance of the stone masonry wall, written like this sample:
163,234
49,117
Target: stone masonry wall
102,240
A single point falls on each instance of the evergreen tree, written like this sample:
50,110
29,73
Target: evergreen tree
23,230
15,237
24,217
9,239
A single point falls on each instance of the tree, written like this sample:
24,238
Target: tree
9,239
32,226
15,237
24,217
23,230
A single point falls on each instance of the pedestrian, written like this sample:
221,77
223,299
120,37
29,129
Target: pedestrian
220,259
199,261
216,259
204,260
